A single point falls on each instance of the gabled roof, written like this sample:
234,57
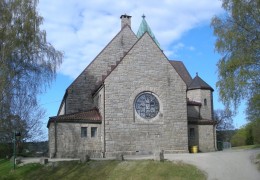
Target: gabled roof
91,116
143,28
182,71
99,84
111,41
86,70
198,83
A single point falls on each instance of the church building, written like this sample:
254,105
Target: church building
131,99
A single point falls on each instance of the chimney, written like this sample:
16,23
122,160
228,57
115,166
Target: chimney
125,20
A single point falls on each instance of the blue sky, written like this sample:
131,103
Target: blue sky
81,29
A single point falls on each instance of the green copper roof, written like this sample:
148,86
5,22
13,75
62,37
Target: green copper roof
144,27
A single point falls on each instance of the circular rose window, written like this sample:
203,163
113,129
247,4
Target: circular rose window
147,105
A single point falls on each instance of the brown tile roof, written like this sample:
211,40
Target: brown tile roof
198,83
197,121
193,103
182,71
91,116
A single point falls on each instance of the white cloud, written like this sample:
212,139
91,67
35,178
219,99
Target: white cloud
81,29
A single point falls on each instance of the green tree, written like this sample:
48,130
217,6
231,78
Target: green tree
244,135
256,131
28,65
239,138
253,108
238,42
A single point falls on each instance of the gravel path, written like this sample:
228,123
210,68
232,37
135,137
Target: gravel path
223,165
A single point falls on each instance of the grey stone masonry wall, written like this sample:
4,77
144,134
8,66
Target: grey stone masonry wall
145,68
70,144
99,103
193,111
51,134
79,96
206,138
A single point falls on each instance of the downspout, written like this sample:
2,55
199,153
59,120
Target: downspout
104,116
214,137
214,126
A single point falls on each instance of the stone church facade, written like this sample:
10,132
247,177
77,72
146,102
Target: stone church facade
131,99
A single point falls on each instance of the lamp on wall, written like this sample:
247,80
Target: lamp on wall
16,135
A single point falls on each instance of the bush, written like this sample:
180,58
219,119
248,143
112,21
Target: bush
256,131
5,150
247,135
239,139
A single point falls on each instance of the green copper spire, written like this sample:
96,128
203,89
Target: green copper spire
144,27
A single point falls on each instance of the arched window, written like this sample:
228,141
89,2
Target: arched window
205,102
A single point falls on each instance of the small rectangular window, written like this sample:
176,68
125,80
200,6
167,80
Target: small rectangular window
93,131
192,132
84,131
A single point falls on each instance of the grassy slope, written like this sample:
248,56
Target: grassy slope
136,170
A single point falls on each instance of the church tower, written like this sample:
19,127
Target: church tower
199,91
201,127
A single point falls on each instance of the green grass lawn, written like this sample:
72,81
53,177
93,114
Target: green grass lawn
109,169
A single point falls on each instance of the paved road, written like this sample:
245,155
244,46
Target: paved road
223,165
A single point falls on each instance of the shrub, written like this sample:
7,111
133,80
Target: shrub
5,150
